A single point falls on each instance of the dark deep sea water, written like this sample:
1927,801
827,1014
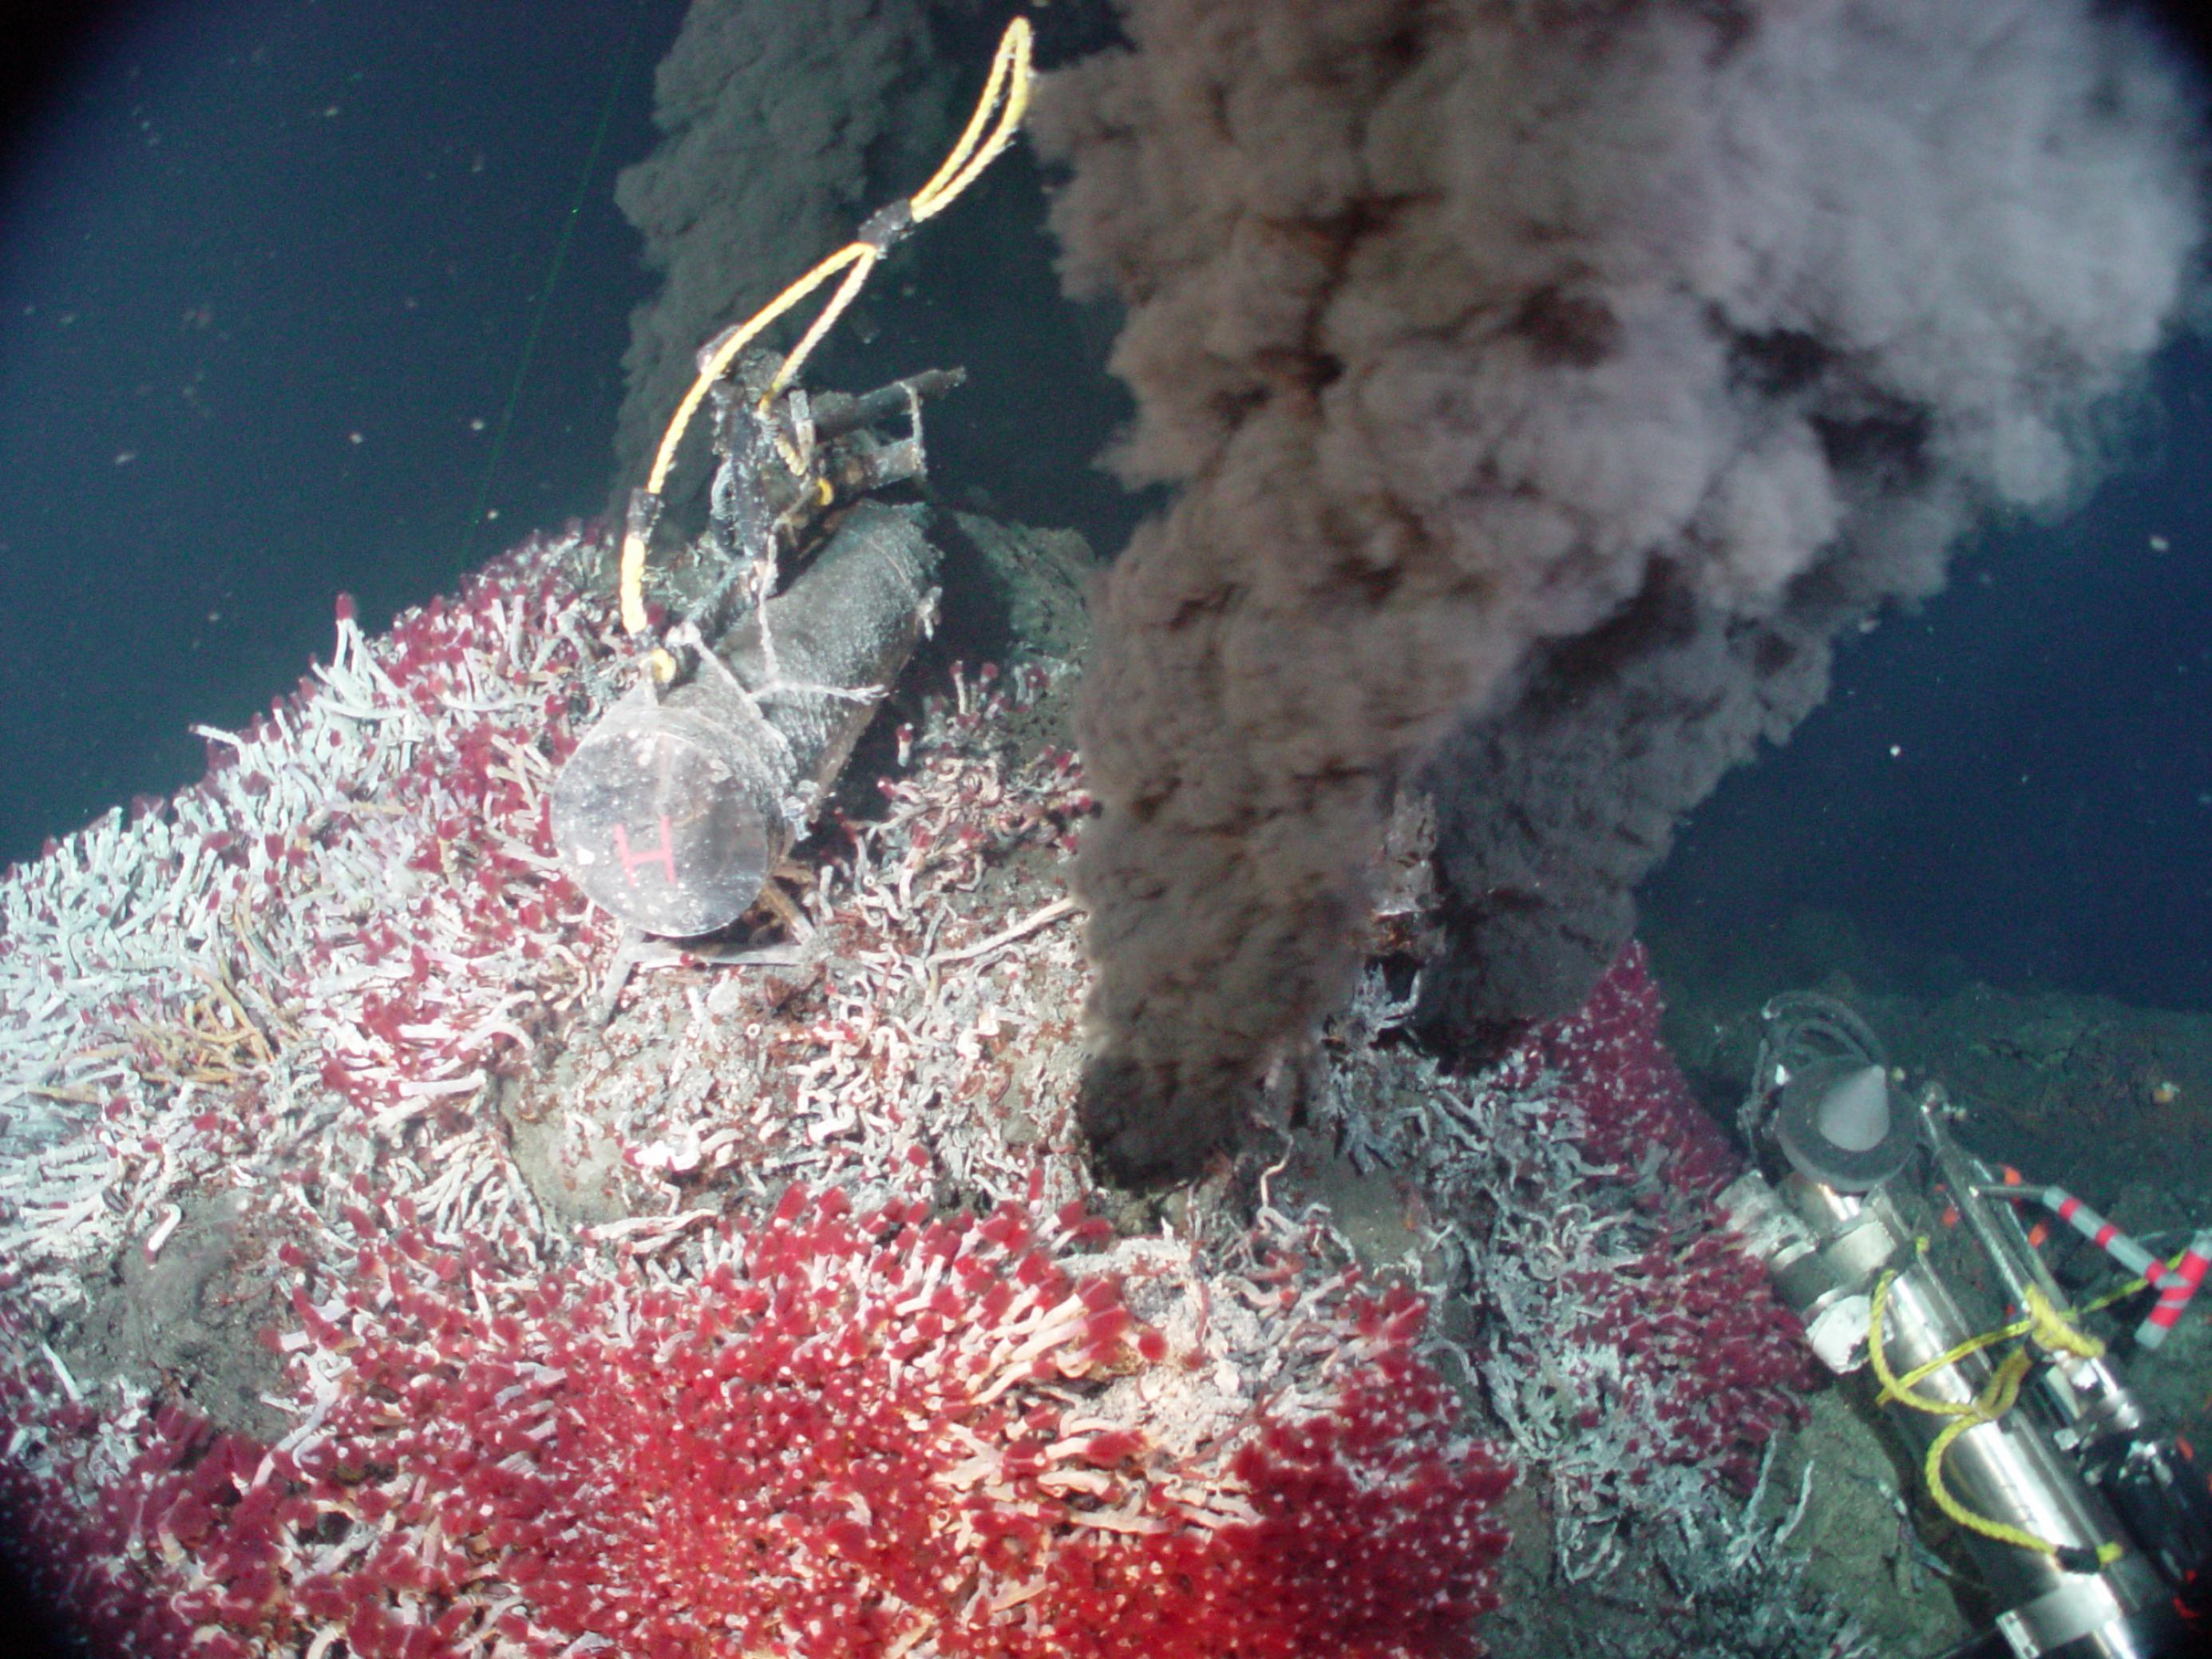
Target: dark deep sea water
266,280
2015,782
269,271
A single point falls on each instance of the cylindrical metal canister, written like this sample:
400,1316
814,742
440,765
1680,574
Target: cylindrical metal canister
677,806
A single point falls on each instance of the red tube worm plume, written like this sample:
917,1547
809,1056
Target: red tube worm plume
98,1509
1369,1539
853,1436
1712,1364
1610,1057
66,1564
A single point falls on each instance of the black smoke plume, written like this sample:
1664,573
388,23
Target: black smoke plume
1546,382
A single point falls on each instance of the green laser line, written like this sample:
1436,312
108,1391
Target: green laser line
552,281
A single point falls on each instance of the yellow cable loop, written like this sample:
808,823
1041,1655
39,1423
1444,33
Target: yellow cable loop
1009,79
2047,1326
1992,1403
1007,93
1894,1387
1007,90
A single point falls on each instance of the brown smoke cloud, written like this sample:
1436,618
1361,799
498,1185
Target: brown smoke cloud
1546,382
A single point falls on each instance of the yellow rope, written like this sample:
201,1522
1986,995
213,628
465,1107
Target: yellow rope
1993,1402
2120,1293
1008,91
2056,1331
1007,94
2047,1326
1010,80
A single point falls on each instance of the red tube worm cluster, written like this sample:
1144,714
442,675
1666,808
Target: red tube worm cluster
848,1436
1710,1362
1611,1060
817,1432
418,1002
